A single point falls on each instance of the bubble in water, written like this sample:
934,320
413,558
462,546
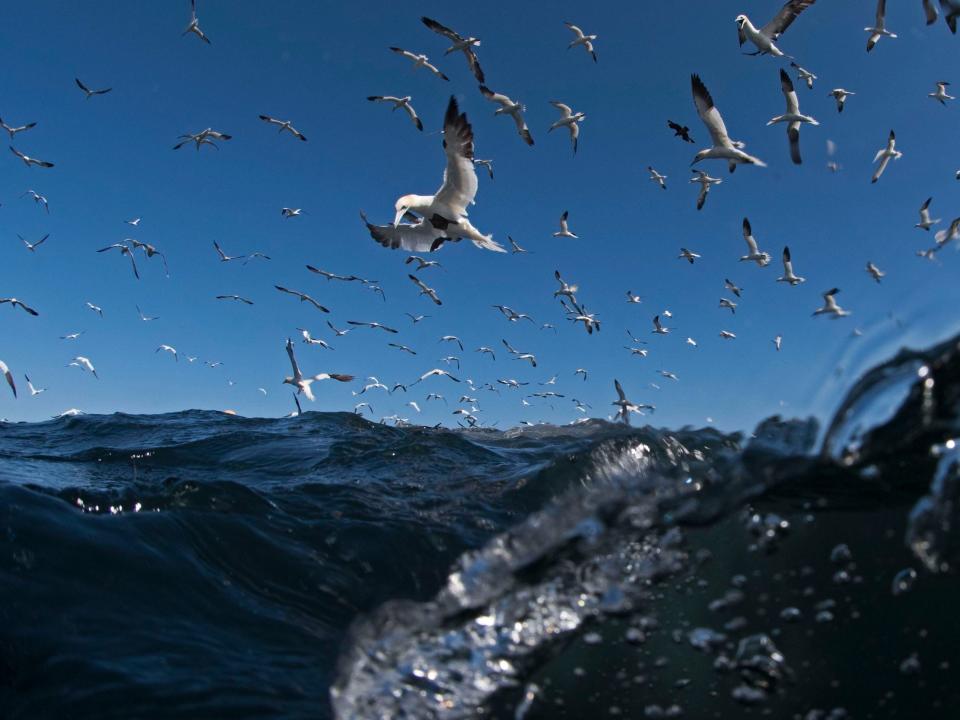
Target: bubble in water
910,666
705,639
790,614
903,581
841,554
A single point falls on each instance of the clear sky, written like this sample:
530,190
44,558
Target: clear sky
315,63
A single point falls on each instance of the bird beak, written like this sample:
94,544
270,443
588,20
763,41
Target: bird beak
399,216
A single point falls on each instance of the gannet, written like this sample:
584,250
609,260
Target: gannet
840,95
753,250
488,164
727,335
90,93
424,290
33,246
788,274
402,348
952,233
580,38
145,318
727,284
777,342
170,349
284,125
878,30
805,75
792,116
28,161
124,250
514,248
511,108
8,376
419,61
96,308
14,130
564,227
84,364
371,325
399,102
830,306
884,154
38,199
729,304
33,390
569,119
15,303
463,44
301,383
303,297
237,298
656,177
875,272
705,182
633,299
925,222
723,147
764,38
941,94
687,255
659,329
194,26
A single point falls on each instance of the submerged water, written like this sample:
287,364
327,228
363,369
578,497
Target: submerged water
198,565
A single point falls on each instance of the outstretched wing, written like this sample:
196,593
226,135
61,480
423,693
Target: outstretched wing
412,238
708,113
293,359
783,19
460,177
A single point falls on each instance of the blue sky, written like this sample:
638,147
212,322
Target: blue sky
315,63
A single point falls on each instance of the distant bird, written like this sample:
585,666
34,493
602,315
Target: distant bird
804,75
14,303
728,285
705,182
925,222
424,290
301,383
303,297
96,308
38,199
204,137
291,212
669,375
656,177
753,251
580,38
402,348
788,274
529,357
9,377
723,147
28,161
764,38
642,352
830,306
149,250
488,164
879,29
371,325
487,351
33,246
284,125
84,364
512,315
144,318
135,222
452,338
416,318
687,255
33,390
729,304
436,372
777,342
941,94
952,233
581,371
564,227
691,342
875,272
511,108
727,335
223,256
680,131
793,117
421,263
71,336
461,44
14,130
194,26
565,290
514,248
237,298
399,102
419,61
90,93
568,119
659,329
309,340
124,250
884,154
840,95
170,349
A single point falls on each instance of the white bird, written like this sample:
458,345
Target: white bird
419,61
511,108
642,352
460,43
793,117
284,125
656,177
28,161
727,335
925,222
84,364
422,264
764,38
90,93
514,247
303,297
729,304
884,154
33,246
669,375
804,75
14,130
170,349
9,377
312,340
875,272
564,227
399,102
135,222
633,299
487,351
336,331
413,404
723,147
194,26
705,182
33,391
581,371
71,336
530,357
443,215
424,290
237,298
291,212
687,255
433,373
580,38
728,285
624,406
14,303
878,30
145,318
941,93
659,329
488,164
788,274
124,250
38,199
830,306
371,325
691,342
301,383
96,308
753,251
777,342
952,233
452,338
568,119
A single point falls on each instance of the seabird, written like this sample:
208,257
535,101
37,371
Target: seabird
303,297
511,108
729,304
371,325
204,137
488,164
830,306
284,125
452,338
14,130
402,348
687,255
840,95
514,248
463,44
424,290
419,61
135,222
764,38
728,285
727,335
149,250
633,299
875,272
569,119
788,274
564,227
170,349
84,364
680,131
691,342
38,199
952,233
656,177
421,263
884,154
434,373
14,303
878,30
28,161
301,383
291,212
96,308
399,102
723,147
486,351
223,256
194,26
124,250
753,250
9,377
237,298
941,93
416,318
33,246
669,375
642,352
530,357
925,222
659,329
144,318
33,391
777,342
582,39
90,93
312,340
565,289
705,182
804,75
793,117
512,315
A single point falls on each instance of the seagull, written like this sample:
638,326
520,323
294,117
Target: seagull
830,306
788,275
687,255
443,214
656,177
511,108
777,342
764,38
659,329
723,147
452,338
371,325
170,349
402,348
433,373
419,61
680,131
303,297
878,30
194,26
33,246
124,250
925,222
71,336
488,164
463,44
792,116
28,161
284,125
753,251
38,199
90,93
875,272
727,335
731,287
14,302
705,182
291,212
514,248
884,154
840,95
33,391
564,227
569,119
729,304
941,93
565,289
301,383
9,376
633,299
805,75
399,102
84,364
96,308
424,290
237,298
581,39
14,130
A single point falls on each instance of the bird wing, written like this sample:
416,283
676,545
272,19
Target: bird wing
748,236
621,395
708,113
419,283
880,168
793,135
783,19
460,177
930,10
565,110
881,13
293,360
787,263
420,237
81,85
576,31
442,29
9,376
786,86
495,96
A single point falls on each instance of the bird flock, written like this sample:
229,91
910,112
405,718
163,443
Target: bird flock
425,224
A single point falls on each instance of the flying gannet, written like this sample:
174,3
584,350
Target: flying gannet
884,154
90,93
723,147
511,108
301,383
581,38
793,117
569,119
14,130
194,26
284,125
28,161
705,182
830,306
788,274
753,251
764,38
399,102
840,95
879,29
941,95
460,43
925,222
419,61
564,227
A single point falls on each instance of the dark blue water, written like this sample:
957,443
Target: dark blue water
198,565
